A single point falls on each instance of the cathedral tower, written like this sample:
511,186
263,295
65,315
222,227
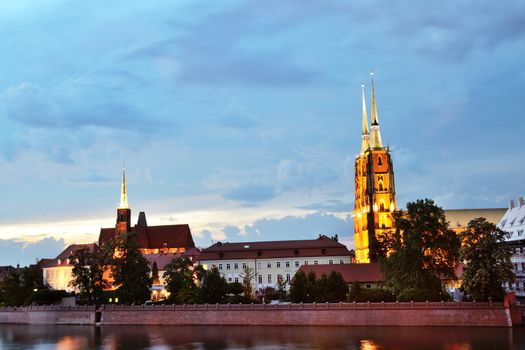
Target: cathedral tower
375,195
123,225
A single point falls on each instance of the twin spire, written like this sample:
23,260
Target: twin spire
123,192
372,140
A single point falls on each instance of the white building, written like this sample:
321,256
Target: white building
514,222
273,259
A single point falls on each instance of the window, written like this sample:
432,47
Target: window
381,206
341,261
330,262
244,265
523,266
379,161
515,267
503,223
520,232
259,278
288,277
269,278
236,279
220,266
227,266
306,262
287,264
512,222
269,265
316,262
368,286
278,264
381,188
236,266
229,279
259,265
297,264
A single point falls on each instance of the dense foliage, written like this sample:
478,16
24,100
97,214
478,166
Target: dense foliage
213,287
20,286
487,261
360,294
308,288
421,252
130,271
87,274
181,279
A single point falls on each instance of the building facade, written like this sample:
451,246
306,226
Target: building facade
513,222
272,260
57,272
375,195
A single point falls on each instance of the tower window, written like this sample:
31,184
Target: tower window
381,188
379,161
381,206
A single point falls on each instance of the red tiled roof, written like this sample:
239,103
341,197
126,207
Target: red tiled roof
323,246
152,237
62,258
351,272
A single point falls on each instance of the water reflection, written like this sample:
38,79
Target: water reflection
15,337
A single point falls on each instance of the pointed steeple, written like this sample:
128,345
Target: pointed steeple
375,138
365,143
123,192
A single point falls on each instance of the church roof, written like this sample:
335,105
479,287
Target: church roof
152,237
322,246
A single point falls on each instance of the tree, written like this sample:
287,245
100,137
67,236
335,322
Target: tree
155,273
88,274
298,287
336,287
181,276
213,287
487,261
247,275
131,272
20,285
420,252
281,288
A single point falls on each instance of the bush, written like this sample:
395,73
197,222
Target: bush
414,294
374,295
48,296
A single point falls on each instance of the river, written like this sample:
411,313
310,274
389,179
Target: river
18,337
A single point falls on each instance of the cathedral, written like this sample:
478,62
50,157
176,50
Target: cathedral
375,195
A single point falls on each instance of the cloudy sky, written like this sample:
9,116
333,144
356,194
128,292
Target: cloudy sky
242,118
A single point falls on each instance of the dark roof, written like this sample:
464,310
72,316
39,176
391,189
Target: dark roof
351,272
151,237
62,258
323,246
164,259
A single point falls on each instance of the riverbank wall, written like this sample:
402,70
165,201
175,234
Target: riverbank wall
329,314
50,314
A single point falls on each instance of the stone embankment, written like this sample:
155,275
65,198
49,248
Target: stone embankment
334,314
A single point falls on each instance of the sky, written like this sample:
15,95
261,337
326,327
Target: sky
242,118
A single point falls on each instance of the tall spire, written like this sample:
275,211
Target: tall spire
365,143
123,192
375,138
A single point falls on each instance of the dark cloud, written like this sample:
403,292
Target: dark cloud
251,193
16,251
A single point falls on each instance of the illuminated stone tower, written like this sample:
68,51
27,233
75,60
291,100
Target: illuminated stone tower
375,195
123,210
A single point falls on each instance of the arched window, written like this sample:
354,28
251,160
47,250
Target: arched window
379,161
381,206
381,188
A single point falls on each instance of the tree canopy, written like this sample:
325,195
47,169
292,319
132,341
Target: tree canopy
87,274
487,261
181,279
130,271
421,251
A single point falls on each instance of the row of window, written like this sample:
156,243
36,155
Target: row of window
269,264
511,223
260,278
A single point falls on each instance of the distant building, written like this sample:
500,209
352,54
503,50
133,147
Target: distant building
375,194
367,275
57,272
514,222
272,260
6,270
459,218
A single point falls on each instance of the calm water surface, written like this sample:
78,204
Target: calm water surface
268,338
